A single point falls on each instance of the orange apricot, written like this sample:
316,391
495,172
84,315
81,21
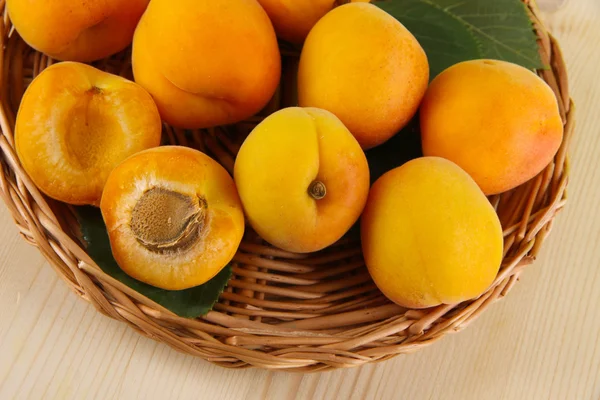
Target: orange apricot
76,123
364,66
499,121
206,62
173,217
294,19
76,30
429,235
303,179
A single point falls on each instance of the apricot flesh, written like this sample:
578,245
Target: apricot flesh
429,235
173,216
364,66
206,62
76,123
499,121
303,179
76,30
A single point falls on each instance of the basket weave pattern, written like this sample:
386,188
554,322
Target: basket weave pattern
281,310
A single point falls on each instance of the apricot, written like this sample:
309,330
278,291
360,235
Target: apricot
429,235
364,66
499,121
173,216
206,62
293,19
76,123
76,30
303,179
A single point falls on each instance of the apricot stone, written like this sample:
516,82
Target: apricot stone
429,235
76,123
76,30
303,179
498,121
173,217
364,66
206,62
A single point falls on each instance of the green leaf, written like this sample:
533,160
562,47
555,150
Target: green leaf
452,31
189,303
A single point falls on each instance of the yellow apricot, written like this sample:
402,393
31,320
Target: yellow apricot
364,66
173,217
76,30
76,123
206,62
498,121
429,235
303,179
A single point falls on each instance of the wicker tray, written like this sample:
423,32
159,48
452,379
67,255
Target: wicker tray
300,313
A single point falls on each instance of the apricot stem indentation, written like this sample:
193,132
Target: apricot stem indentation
317,190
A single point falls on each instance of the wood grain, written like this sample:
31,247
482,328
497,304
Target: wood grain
542,342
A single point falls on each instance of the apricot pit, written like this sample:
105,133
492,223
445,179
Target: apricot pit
166,221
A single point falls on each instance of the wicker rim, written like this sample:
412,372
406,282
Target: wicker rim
302,313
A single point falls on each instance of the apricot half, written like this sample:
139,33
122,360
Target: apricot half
206,62
76,123
173,217
429,235
76,30
364,66
499,121
303,179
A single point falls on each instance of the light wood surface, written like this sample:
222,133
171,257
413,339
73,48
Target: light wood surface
541,342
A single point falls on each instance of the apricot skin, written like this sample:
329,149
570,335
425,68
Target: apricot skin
429,235
76,30
188,172
206,62
498,121
293,19
276,166
364,66
76,123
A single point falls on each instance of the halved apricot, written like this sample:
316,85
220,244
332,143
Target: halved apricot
173,217
76,123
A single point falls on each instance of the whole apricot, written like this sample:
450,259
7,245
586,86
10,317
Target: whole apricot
173,217
76,30
293,19
76,123
206,62
429,235
364,66
303,179
498,121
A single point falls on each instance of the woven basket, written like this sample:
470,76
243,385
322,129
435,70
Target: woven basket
300,313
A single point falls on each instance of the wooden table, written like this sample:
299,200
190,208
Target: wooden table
542,341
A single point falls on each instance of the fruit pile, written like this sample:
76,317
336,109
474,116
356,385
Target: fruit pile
175,217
